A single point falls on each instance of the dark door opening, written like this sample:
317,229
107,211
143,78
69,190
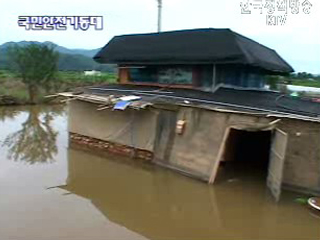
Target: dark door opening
246,155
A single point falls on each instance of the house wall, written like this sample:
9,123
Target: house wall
129,127
195,151
302,160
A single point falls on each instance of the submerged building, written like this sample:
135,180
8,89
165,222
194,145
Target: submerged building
195,101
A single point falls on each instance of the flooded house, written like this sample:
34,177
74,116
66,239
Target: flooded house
195,101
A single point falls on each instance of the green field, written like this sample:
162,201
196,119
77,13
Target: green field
305,83
11,84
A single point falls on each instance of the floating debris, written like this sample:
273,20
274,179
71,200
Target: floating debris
314,202
121,105
301,200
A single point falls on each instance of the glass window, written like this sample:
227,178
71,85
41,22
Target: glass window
175,75
144,75
162,75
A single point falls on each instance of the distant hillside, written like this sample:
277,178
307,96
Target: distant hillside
69,60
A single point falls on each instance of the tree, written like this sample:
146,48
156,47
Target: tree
35,142
272,81
37,64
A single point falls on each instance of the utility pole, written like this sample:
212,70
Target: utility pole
159,14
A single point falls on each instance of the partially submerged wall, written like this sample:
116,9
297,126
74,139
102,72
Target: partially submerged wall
135,128
195,151
302,160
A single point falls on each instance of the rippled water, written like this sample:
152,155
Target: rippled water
50,190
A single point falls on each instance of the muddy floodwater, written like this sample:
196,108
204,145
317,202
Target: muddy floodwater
50,189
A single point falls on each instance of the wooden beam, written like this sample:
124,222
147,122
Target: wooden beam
219,156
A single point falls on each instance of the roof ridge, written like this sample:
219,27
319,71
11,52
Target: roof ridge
175,31
250,39
235,36
249,53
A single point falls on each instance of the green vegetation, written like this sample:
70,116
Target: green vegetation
298,79
36,65
15,88
303,79
79,77
302,200
12,85
306,83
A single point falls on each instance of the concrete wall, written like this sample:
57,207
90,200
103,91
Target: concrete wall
130,127
302,161
195,151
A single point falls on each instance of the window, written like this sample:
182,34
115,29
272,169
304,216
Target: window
175,75
162,75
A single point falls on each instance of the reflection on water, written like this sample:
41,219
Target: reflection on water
160,204
8,113
35,141
104,197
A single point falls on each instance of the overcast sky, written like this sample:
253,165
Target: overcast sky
297,41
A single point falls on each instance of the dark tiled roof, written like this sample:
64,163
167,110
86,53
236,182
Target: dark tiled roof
241,99
196,46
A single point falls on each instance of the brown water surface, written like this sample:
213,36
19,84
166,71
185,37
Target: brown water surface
50,190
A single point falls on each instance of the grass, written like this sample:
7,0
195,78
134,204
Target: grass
11,85
70,80
79,76
305,83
